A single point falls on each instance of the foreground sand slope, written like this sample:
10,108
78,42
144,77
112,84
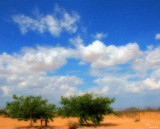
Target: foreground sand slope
148,121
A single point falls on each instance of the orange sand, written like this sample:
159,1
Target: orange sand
148,121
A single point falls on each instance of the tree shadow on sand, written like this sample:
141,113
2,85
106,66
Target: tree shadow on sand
37,127
100,125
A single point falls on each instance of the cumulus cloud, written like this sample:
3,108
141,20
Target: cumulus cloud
112,82
118,84
55,24
40,59
149,60
142,75
157,36
41,84
99,36
153,81
25,73
101,55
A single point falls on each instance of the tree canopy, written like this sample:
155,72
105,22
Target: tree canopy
88,107
30,108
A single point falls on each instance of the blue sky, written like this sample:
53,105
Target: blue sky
66,47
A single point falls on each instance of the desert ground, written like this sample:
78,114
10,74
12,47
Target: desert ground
147,121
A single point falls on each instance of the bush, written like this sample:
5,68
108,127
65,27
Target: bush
4,112
73,125
30,108
87,107
17,128
137,120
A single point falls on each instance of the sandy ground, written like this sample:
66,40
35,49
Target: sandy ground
148,121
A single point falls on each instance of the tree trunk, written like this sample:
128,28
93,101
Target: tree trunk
41,122
46,122
31,122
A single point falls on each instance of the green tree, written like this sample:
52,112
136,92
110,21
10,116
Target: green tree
47,113
87,107
4,112
29,108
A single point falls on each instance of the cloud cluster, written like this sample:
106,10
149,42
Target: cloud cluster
142,74
149,61
53,23
102,56
26,72
114,83
40,59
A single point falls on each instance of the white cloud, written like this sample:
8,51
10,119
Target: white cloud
82,63
100,35
68,22
5,90
25,73
122,83
153,81
152,84
149,60
111,85
99,90
77,41
41,59
101,55
39,84
55,24
157,36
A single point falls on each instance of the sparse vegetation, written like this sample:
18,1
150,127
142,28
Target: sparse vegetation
30,108
149,109
130,112
87,107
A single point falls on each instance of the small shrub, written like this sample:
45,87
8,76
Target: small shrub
73,125
41,128
137,120
17,128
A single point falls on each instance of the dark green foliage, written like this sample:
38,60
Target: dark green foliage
87,107
30,108
47,113
4,112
